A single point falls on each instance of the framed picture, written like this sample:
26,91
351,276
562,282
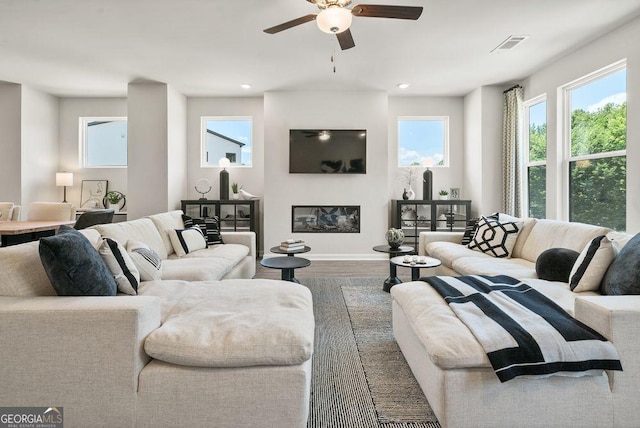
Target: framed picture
454,193
325,218
92,193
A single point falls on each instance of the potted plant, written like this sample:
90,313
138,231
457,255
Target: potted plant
235,188
444,194
113,198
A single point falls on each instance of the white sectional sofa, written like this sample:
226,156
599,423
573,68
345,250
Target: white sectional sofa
192,351
453,369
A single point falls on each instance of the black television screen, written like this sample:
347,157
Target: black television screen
326,151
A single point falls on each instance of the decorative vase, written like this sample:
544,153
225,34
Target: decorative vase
411,195
235,196
444,197
405,195
395,237
114,207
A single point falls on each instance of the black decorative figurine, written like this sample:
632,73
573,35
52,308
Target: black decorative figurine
427,185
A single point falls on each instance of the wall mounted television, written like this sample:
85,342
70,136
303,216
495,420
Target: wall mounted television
328,151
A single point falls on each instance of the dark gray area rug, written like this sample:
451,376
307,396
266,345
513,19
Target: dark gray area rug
360,378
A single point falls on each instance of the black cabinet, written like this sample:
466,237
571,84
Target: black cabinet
235,215
415,216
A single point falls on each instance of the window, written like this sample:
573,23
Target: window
103,142
226,137
596,110
535,158
423,141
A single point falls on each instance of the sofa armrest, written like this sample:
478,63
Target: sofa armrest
243,238
427,237
84,352
617,319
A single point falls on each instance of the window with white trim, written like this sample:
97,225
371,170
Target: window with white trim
596,141
535,157
423,141
226,137
103,142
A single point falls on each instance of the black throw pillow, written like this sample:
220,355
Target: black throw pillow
209,225
623,275
74,267
555,264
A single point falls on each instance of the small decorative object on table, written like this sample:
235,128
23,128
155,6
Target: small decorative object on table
455,193
444,195
235,188
292,245
203,186
115,200
395,237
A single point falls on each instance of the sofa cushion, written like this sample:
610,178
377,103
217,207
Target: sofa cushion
555,264
209,264
142,229
547,234
449,252
210,226
22,273
495,238
165,222
623,275
121,266
74,267
517,268
593,262
146,260
186,241
232,323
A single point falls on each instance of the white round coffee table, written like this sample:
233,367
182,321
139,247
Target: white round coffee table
429,262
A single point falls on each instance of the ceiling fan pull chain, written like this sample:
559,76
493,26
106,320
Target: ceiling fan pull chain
333,60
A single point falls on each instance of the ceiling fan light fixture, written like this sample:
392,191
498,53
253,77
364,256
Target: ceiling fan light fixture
334,20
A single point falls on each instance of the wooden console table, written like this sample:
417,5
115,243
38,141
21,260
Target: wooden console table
18,232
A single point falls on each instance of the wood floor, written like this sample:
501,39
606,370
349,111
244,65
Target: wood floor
336,268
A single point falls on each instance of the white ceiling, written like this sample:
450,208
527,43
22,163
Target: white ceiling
210,47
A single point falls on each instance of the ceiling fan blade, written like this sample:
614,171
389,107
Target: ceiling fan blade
382,11
290,24
345,39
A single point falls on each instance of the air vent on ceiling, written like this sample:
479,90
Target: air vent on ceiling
510,43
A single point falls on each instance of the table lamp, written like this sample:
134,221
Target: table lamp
64,179
224,178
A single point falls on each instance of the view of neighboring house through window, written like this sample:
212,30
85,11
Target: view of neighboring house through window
226,137
423,141
103,142
597,164
535,183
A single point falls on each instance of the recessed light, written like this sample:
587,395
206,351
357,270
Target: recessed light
403,85
245,86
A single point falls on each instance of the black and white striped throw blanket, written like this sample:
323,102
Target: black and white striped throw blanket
523,332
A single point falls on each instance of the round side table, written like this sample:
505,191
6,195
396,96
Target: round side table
393,252
277,250
429,262
287,265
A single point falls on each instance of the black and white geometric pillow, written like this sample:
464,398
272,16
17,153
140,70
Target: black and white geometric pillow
122,268
146,260
185,241
495,238
211,226
472,226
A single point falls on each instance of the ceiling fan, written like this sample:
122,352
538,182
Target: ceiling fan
335,18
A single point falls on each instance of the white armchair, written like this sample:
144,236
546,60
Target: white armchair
61,211
9,211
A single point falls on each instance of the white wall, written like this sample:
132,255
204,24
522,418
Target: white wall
71,110
444,178
10,142
617,45
177,148
40,124
333,110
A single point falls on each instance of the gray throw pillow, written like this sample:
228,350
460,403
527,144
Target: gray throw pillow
74,267
623,275
555,264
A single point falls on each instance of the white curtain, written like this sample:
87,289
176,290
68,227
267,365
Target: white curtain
512,151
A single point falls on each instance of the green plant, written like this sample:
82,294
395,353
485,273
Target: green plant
235,187
113,196
443,193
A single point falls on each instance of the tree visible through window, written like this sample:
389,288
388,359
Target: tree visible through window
598,142
536,158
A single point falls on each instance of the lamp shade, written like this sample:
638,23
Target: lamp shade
224,163
64,178
334,20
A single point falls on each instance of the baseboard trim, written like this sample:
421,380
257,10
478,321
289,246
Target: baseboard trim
337,257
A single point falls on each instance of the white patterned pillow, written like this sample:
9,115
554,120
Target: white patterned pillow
591,265
146,260
184,241
122,268
495,238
